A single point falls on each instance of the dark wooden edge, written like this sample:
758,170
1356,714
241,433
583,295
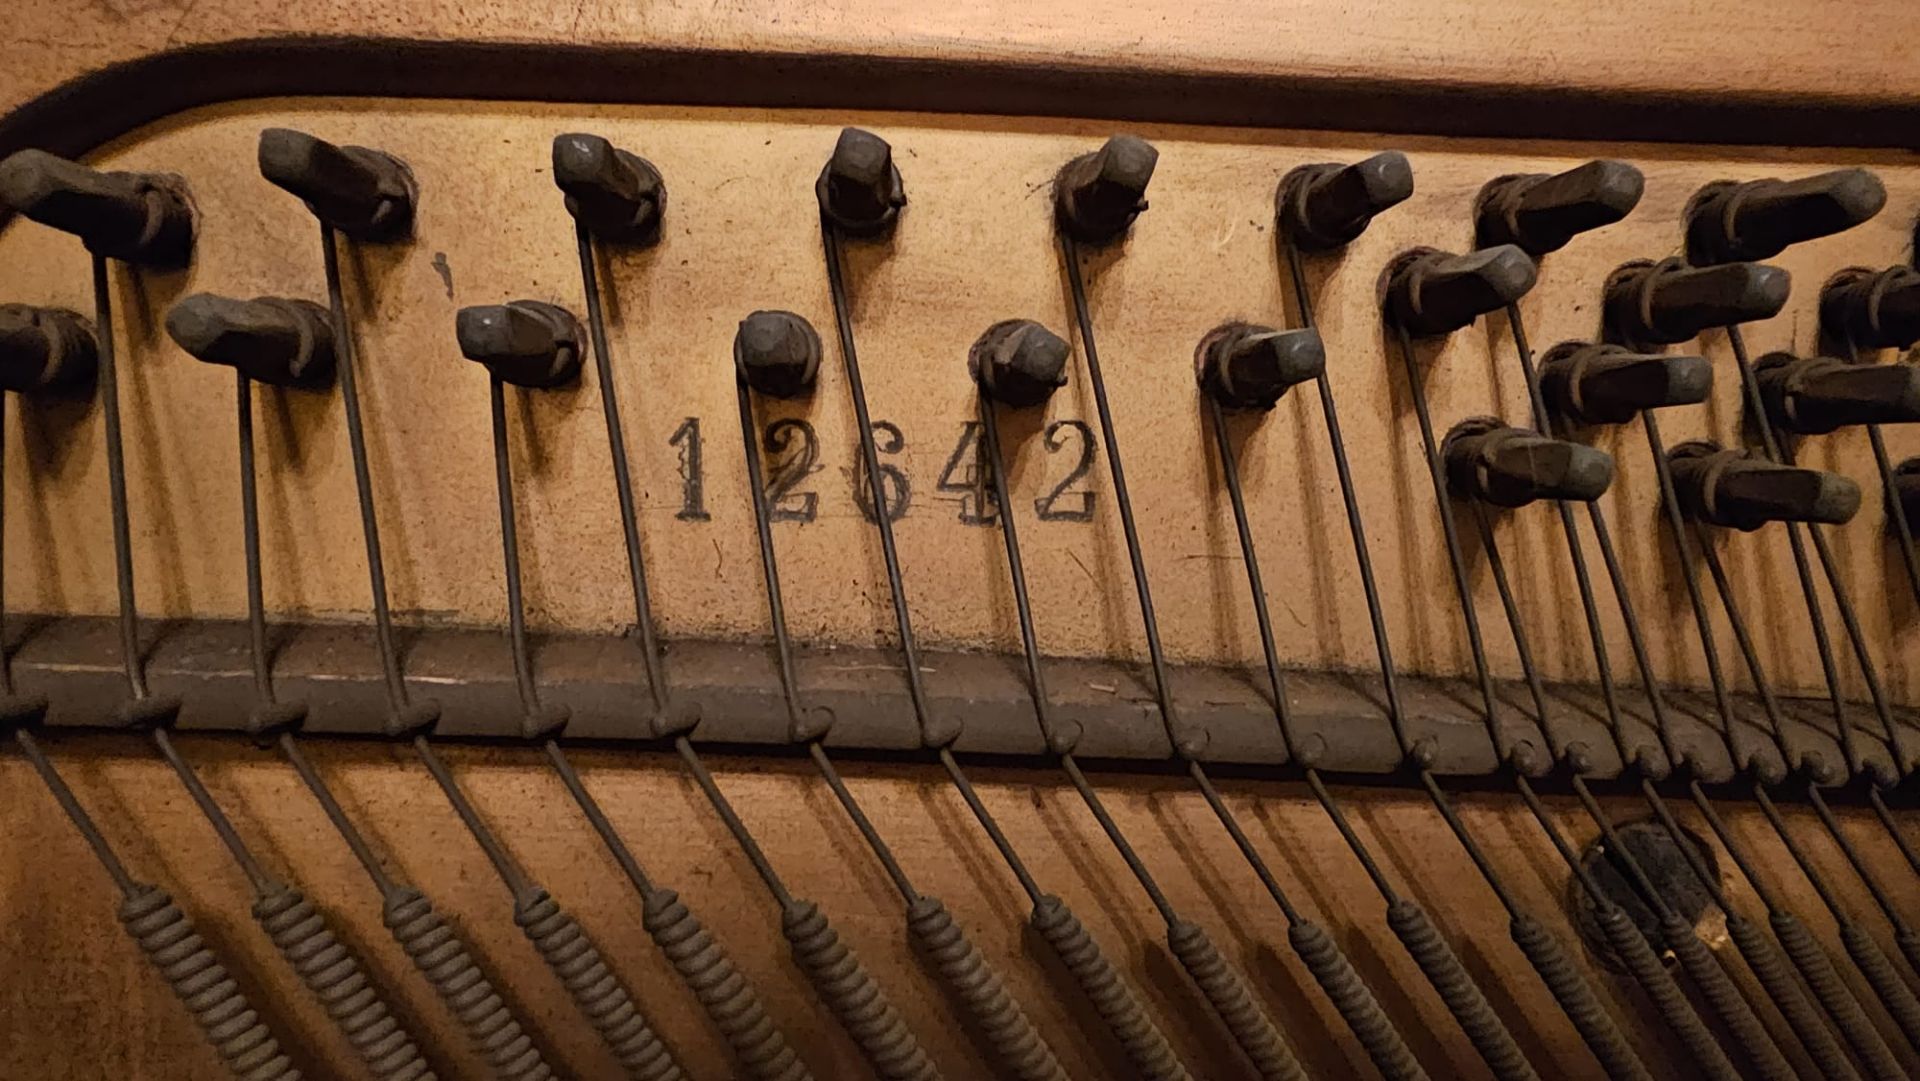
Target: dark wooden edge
75,663
93,109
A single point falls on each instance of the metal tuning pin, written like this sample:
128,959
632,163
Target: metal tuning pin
286,343
1816,395
969,978
1906,488
1019,362
1666,302
617,196
367,194
45,350
860,190
1096,196
1433,292
1871,309
1246,366
141,218
1733,489
1732,221
764,345
777,353
1324,207
1540,213
1600,383
1512,467
528,343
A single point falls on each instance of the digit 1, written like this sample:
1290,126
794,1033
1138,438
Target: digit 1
693,494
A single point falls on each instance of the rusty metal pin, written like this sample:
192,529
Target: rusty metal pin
269,339
1322,207
1433,292
1816,395
367,194
860,190
777,353
1731,488
1540,213
143,218
618,196
1666,302
524,342
1599,383
1905,487
1096,196
1730,222
1247,366
1873,309
1511,467
45,349
1019,362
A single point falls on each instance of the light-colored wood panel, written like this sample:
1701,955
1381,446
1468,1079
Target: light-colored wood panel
973,247
1797,50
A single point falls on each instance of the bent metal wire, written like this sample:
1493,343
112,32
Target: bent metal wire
361,195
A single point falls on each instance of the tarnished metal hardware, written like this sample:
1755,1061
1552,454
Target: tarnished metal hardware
617,196
1873,309
367,194
1906,487
1432,292
1540,213
1511,467
1322,207
777,353
1600,383
144,218
1733,488
1666,302
1248,366
1816,395
528,343
1732,221
1096,196
1019,362
275,340
860,190
45,349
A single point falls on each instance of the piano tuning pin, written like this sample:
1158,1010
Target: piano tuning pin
1666,302
366,194
1541,213
1433,292
616,195
1598,383
1731,488
1018,362
1245,366
524,342
142,218
269,339
1321,207
45,349
1097,196
1816,395
1906,488
860,190
1511,467
1730,221
1873,309
777,353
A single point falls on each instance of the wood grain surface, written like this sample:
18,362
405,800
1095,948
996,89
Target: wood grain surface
974,246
